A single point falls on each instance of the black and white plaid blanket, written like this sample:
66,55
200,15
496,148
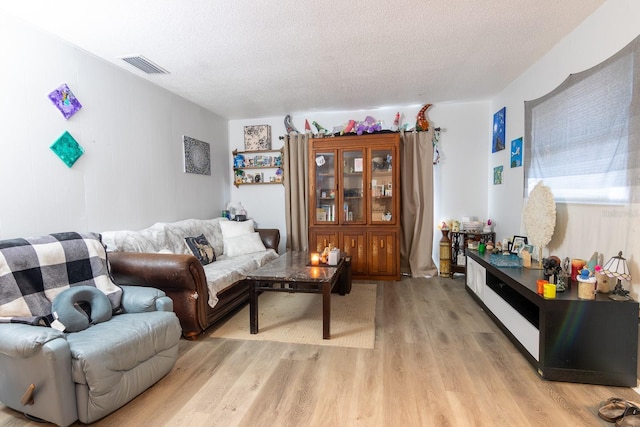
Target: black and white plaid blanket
34,270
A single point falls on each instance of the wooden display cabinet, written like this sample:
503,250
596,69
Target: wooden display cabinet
354,201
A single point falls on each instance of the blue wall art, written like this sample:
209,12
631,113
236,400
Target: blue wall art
516,153
499,123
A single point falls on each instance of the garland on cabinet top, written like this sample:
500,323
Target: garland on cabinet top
369,125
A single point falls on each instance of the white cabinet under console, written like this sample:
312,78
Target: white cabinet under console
565,338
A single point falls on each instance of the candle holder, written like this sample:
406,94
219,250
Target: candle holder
315,258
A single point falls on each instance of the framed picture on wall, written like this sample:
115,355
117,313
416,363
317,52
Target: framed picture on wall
499,123
257,137
516,153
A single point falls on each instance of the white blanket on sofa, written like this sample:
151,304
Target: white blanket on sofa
169,238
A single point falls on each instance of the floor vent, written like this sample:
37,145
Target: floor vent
143,64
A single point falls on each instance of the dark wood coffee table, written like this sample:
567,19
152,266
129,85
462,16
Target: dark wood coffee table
291,272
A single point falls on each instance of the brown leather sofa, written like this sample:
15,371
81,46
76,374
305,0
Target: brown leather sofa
182,278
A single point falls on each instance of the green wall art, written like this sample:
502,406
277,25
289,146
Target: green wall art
67,149
497,175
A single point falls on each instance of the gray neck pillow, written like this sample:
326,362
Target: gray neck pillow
66,308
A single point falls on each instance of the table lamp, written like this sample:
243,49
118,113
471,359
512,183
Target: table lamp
617,267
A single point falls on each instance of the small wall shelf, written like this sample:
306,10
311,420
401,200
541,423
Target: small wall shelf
247,167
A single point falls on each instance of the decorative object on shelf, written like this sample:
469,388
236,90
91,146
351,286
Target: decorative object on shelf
368,125
540,217
517,244
586,284
65,101
349,127
257,137
602,281
489,227
617,268
197,156
396,123
549,291
318,126
67,149
445,253
291,129
499,124
552,270
505,261
564,278
307,126
526,258
315,258
516,153
422,124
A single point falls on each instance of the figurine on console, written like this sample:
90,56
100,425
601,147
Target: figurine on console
552,268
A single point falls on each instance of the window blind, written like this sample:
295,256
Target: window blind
583,138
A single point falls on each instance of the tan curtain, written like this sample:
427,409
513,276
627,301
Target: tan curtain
296,184
417,204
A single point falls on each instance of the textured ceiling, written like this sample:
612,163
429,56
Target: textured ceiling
251,58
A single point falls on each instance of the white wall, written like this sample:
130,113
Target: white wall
464,146
131,174
581,229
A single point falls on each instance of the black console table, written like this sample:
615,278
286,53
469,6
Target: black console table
566,338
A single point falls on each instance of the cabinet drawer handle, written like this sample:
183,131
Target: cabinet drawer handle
381,244
353,243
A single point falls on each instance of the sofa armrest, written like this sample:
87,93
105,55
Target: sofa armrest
270,237
23,341
139,299
181,277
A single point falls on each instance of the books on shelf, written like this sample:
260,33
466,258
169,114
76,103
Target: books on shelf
326,213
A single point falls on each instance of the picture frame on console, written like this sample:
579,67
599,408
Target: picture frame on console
517,244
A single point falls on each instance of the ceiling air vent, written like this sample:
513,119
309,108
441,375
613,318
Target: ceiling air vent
143,64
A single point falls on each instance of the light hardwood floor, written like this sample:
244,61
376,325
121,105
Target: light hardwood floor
438,361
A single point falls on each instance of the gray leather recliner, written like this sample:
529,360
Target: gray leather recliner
63,377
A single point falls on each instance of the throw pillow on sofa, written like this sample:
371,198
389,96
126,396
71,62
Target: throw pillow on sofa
243,244
201,249
236,228
240,238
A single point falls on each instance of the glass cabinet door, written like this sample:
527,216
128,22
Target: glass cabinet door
353,179
382,187
325,188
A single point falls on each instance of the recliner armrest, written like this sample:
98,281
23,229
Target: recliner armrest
23,341
138,299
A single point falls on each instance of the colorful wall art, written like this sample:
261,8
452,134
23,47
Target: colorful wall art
516,153
499,123
257,137
65,101
67,149
497,175
197,156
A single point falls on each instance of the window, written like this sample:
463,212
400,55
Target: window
583,138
